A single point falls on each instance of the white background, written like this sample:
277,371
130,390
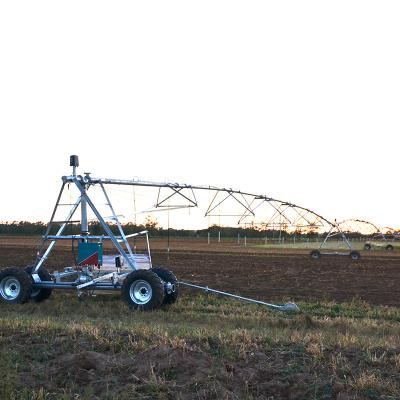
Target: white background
298,100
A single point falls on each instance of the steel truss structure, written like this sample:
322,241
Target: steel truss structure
353,225
336,230
248,206
133,274
373,231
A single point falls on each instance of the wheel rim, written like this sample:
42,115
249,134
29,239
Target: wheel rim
10,288
140,292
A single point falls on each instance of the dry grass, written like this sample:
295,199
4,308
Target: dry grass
353,348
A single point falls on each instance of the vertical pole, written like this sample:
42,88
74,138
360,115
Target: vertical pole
134,215
238,239
168,235
148,249
208,237
84,220
245,240
219,236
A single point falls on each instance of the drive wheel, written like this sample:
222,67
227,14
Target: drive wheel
355,255
15,285
172,290
367,246
389,247
143,290
315,254
39,295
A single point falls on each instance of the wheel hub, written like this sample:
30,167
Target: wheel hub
10,288
140,292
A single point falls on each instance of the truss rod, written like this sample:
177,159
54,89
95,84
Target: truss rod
177,186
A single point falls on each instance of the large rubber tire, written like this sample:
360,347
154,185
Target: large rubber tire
15,285
367,246
143,290
389,247
355,255
39,295
168,277
315,254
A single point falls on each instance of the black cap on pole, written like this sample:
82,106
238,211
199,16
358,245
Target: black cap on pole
73,161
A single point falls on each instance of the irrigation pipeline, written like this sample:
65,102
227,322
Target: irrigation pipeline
177,187
284,307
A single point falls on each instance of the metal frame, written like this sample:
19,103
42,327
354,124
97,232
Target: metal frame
339,228
292,214
84,277
377,234
87,278
336,230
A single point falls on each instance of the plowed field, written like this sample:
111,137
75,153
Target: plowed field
268,274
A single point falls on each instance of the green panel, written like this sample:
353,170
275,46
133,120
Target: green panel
90,253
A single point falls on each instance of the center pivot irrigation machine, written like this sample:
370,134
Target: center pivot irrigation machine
378,238
336,230
142,285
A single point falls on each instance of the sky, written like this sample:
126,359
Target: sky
298,100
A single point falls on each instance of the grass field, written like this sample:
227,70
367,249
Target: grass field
208,347
202,347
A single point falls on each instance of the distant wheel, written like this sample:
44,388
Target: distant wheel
172,291
355,255
389,247
15,285
143,290
367,246
315,254
39,295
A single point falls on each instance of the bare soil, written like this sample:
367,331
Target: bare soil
267,274
192,374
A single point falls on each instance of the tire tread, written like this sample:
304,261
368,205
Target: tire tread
25,282
168,276
156,285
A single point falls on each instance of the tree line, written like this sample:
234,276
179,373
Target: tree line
39,228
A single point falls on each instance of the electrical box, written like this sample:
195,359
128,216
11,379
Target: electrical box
90,253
